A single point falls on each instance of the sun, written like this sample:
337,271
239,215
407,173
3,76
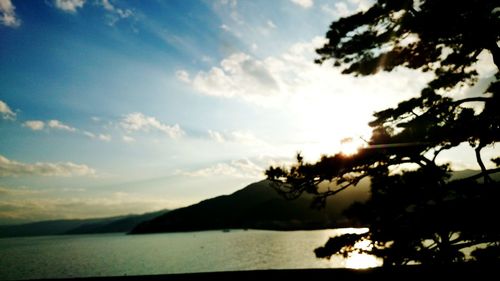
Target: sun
327,124
349,147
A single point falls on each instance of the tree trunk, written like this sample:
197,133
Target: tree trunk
486,177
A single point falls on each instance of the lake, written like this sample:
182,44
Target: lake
119,254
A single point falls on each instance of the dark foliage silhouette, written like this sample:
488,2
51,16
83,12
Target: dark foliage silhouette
419,214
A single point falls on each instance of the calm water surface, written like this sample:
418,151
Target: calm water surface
120,254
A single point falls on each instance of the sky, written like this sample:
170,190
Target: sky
110,107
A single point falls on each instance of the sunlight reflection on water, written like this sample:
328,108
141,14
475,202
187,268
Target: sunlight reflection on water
354,260
360,261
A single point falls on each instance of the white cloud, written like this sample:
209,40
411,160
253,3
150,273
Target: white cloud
56,124
101,137
270,24
183,76
69,6
485,65
231,3
38,125
228,29
128,139
239,75
242,168
5,110
89,134
314,95
362,5
241,137
104,137
18,191
346,8
115,13
293,76
262,81
304,3
8,15
35,125
11,168
339,9
139,122
245,138
235,16
267,28
216,136
231,7
107,5
205,58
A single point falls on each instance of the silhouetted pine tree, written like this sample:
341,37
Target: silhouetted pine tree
418,215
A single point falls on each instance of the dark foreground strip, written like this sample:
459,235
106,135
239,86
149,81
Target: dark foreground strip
422,273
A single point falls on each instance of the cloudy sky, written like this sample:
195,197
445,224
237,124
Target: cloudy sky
113,106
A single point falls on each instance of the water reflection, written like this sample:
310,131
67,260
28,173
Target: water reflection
361,260
357,260
117,254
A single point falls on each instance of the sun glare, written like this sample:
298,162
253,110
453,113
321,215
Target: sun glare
362,260
321,126
348,146
357,260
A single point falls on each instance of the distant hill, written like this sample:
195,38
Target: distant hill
256,206
120,224
77,226
468,173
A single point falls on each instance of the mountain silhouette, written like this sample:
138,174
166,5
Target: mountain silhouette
77,226
256,206
124,224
